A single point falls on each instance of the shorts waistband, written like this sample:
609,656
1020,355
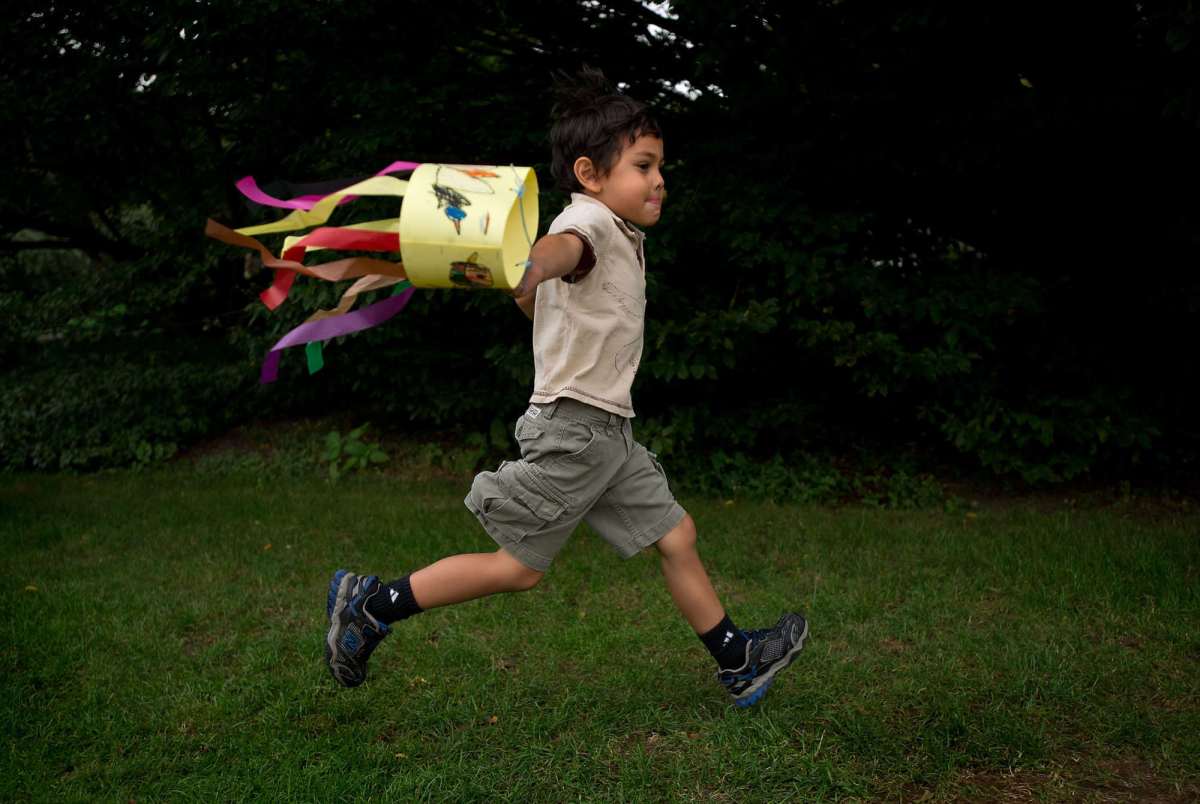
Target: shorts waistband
580,411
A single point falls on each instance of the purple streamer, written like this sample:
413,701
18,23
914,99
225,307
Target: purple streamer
370,316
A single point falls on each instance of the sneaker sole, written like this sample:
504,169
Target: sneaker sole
342,673
754,693
334,583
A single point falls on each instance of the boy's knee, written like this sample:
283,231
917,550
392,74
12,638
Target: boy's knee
520,577
527,579
680,539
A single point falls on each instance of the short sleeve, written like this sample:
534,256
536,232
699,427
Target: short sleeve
587,261
593,224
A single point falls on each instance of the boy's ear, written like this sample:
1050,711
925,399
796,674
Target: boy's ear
586,174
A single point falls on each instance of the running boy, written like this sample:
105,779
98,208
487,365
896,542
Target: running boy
585,291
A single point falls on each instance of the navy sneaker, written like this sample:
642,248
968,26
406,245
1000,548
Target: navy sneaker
334,583
767,652
353,632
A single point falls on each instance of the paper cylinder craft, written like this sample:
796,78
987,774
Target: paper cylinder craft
476,234
464,226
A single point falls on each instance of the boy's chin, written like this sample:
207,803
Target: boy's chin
649,219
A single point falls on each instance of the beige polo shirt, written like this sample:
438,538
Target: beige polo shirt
587,335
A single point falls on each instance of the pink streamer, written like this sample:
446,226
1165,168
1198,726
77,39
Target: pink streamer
249,188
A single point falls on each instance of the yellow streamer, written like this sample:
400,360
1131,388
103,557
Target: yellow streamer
320,212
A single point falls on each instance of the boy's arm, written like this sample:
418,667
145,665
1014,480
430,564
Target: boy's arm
551,257
526,303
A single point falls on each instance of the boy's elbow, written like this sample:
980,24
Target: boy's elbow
526,303
556,255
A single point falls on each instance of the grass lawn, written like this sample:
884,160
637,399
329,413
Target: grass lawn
164,641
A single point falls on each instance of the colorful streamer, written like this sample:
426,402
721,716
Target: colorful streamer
249,188
286,270
458,227
313,350
371,236
320,211
314,355
370,316
364,285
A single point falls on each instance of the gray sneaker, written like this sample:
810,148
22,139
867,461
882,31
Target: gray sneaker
353,633
767,652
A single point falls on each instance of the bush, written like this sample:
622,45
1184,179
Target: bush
81,415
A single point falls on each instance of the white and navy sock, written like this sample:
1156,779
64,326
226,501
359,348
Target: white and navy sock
394,602
726,642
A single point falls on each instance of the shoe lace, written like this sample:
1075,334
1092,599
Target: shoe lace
759,634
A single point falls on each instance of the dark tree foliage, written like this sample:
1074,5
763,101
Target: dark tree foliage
971,227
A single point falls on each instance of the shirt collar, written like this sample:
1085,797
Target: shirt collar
625,226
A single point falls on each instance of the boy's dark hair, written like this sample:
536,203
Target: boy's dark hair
592,119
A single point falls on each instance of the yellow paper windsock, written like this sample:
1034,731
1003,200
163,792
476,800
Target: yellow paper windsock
468,226
460,226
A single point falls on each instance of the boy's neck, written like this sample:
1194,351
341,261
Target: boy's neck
592,197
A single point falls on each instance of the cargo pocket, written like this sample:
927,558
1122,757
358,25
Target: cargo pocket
486,494
525,504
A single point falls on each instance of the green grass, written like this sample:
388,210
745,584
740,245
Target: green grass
164,641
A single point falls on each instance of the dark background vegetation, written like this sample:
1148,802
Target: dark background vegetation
939,234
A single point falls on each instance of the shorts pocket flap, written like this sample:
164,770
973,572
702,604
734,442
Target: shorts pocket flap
527,430
525,487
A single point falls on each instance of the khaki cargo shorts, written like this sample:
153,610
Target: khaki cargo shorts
577,463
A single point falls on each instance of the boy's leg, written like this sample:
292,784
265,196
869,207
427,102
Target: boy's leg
529,507
693,593
687,579
361,610
747,662
637,510
468,576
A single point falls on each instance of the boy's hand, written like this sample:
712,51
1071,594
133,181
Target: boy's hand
526,303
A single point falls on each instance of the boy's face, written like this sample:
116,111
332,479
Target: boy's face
634,188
